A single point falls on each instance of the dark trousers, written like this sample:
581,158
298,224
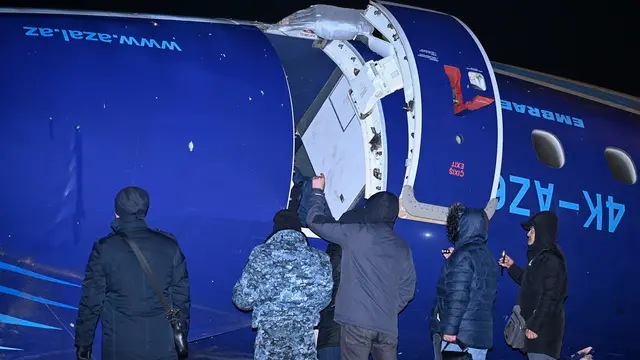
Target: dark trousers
437,346
356,343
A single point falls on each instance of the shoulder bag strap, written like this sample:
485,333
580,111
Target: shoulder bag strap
145,266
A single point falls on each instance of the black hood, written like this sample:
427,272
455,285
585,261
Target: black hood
546,225
467,225
286,220
132,202
355,215
382,208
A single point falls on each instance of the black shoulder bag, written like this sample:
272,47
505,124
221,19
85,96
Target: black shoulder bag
172,314
456,355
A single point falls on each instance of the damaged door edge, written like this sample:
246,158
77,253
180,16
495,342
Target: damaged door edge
381,19
388,26
374,140
372,127
293,127
410,208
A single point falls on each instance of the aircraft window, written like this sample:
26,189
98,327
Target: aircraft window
459,139
621,165
548,148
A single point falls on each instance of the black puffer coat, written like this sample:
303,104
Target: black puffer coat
468,285
543,286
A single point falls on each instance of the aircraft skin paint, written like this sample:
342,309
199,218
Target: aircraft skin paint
71,35
200,115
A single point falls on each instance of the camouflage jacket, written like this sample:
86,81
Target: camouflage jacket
285,279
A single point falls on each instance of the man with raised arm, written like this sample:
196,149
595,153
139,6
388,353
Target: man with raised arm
377,277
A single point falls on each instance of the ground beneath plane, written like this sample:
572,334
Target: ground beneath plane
235,345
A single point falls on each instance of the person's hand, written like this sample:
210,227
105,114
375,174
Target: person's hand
449,338
505,261
446,256
318,182
531,335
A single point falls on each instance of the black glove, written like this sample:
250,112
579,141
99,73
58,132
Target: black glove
83,352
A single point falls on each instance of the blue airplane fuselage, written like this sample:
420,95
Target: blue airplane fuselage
202,114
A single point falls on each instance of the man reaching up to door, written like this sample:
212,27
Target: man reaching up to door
377,277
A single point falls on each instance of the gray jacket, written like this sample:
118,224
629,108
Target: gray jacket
377,277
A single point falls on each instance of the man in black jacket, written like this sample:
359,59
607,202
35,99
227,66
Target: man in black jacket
377,278
543,287
134,323
467,287
329,330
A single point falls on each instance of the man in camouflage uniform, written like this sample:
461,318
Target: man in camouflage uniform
286,283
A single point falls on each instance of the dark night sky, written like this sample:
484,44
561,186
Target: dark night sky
594,42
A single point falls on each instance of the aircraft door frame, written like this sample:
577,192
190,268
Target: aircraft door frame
410,208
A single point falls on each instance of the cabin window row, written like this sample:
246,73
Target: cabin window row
550,152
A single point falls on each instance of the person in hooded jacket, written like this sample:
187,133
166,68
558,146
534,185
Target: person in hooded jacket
543,287
286,283
328,330
116,289
467,286
377,278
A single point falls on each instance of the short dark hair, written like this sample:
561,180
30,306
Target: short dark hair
132,200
